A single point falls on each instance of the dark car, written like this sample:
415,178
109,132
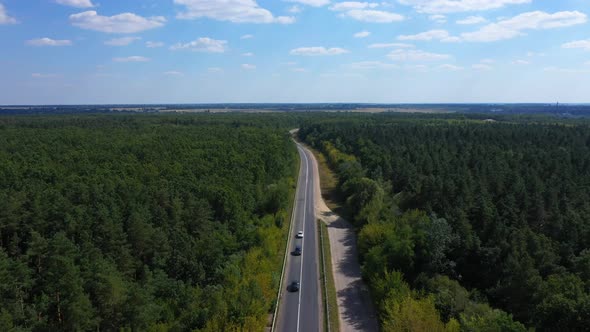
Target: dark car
297,251
294,286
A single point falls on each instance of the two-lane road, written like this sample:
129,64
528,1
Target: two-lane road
302,310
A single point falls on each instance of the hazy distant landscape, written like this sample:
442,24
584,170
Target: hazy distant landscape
557,110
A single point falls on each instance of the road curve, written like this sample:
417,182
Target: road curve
302,311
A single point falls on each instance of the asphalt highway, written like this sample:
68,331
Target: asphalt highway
302,310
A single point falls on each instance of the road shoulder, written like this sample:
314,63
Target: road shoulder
355,307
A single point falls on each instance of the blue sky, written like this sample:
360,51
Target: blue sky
202,51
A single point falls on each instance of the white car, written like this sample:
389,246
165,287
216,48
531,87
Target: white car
300,235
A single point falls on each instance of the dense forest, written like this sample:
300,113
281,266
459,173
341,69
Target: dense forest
466,224
142,223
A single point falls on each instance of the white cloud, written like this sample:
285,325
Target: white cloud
40,75
362,34
365,12
351,5
514,27
247,66
565,70
437,18
482,67
247,37
532,54
520,62
417,68
236,11
416,55
4,18
173,73
368,65
153,44
373,16
135,58
583,44
203,44
295,9
313,3
49,42
76,3
214,70
391,45
122,23
488,61
248,54
472,20
124,41
450,67
317,51
456,6
441,35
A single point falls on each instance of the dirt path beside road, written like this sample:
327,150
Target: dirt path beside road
355,307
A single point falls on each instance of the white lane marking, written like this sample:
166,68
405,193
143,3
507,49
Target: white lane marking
302,241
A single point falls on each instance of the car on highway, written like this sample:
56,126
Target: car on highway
297,251
294,286
300,235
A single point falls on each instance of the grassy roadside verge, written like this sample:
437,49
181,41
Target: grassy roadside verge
329,185
332,323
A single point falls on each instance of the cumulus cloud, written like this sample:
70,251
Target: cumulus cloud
313,3
456,6
134,58
153,44
362,34
416,55
351,5
76,3
247,66
318,51
4,18
565,70
365,12
515,26
437,18
391,45
482,67
247,37
173,73
49,42
472,20
122,23
294,9
248,54
441,35
369,65
450,67
40,75
583,44
203,44
124,41
520,62
236,11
